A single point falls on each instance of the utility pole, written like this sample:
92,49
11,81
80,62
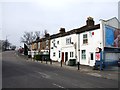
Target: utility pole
6,42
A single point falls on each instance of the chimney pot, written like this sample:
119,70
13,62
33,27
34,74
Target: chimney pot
90,21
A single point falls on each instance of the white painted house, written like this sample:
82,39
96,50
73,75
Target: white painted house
63,46
81,43
99,36
68,47
55,48
89,41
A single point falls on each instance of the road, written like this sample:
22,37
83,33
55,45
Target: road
21,73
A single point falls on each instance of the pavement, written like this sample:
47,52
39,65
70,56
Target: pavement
111,72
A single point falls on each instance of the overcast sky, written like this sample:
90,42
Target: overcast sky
16,17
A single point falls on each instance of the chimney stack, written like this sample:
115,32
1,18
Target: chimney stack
47,35
90,21
62,30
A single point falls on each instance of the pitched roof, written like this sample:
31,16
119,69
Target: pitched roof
76,31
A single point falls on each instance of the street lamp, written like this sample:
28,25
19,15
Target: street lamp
6,42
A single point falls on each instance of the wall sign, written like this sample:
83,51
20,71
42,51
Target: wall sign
97,56
112,37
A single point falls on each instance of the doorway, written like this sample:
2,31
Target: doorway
92,59
66,56
62,56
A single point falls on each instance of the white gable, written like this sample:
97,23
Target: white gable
114,22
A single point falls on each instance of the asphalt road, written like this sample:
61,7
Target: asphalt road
20,73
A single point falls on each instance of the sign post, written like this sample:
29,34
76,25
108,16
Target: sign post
98,61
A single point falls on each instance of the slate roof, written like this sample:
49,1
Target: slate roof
76,31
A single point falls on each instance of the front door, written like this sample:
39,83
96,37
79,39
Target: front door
92,59
62,56
66,56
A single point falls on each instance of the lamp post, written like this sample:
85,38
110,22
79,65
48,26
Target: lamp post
6,42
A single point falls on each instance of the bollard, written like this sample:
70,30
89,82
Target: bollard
61,63
46,60
65,62
41,60
50,61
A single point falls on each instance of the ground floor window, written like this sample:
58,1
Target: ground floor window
83,54
71,54
53,54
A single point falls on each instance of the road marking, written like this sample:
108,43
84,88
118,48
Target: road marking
58,85
43,74
94,74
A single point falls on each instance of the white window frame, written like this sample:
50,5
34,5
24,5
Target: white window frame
71,54
85,38
38,45
83,54
54,54
68,41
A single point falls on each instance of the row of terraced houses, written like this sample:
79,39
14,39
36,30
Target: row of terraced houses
83,44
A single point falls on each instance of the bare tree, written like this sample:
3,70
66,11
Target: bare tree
5,44
37,34
29,37
45,32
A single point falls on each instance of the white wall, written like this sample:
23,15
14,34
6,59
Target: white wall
112,22
63,47
55,49
94,41
69,47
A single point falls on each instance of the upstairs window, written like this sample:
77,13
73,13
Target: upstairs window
85,38
38,45
68,40
57,42
47,42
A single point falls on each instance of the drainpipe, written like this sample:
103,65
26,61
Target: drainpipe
78,50
102,27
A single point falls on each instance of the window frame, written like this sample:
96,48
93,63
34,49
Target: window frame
72,54
54,54
68,40
59,54
83,54
85,38
58,42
